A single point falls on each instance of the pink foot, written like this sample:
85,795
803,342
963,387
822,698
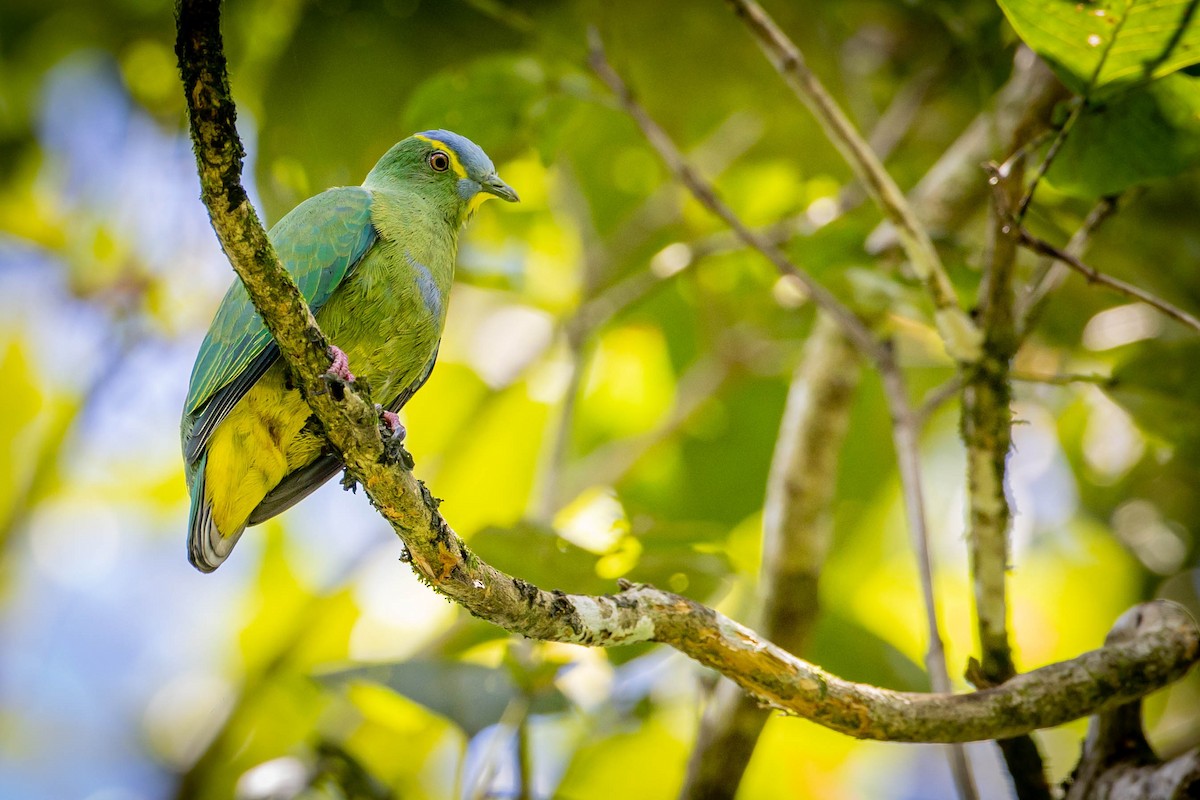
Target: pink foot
340,366
392,420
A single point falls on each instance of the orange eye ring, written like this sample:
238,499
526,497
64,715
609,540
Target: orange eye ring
439,161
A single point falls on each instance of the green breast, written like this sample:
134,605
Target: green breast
388,314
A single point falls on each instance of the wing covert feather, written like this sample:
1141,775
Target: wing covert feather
319,243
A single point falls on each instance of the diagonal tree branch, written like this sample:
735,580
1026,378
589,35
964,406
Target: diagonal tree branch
854,327
1050,272
1095,681
961,337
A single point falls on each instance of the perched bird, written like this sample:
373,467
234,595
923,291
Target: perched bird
375,263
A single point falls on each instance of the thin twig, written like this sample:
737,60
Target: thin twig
905,438
1040,246
961,337
936,398
855,329
903,426
1093,275
1063,380
1050,272
1061,138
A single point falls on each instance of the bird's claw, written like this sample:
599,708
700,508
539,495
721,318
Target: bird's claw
391,421
393,442
340,368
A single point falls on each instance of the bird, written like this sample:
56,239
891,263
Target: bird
375,263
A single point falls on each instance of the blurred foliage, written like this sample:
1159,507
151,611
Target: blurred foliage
569,451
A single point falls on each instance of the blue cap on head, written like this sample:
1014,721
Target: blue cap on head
470,155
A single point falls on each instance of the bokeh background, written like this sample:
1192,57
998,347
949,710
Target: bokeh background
605,404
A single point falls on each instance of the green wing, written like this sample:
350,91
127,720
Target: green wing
319,243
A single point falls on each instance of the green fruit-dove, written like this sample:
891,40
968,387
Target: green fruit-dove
375,264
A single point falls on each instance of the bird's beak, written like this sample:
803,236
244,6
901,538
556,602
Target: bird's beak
494,186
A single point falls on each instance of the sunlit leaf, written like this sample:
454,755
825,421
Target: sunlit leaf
1101,47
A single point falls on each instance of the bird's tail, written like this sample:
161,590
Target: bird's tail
207,546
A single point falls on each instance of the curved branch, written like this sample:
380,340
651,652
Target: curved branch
1052,695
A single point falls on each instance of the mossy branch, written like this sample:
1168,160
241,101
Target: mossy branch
1052,695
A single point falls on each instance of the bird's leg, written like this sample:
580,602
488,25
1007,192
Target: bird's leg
340,368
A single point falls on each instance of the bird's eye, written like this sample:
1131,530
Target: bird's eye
439,161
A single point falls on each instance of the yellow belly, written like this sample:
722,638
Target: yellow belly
260,442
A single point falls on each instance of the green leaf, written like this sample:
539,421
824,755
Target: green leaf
1136,137
1159,385
1100,48
470,695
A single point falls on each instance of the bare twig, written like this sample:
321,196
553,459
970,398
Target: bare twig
1050,272
904,436
1062,380
1061,138
961,337
703,191
936,398
1093,275
903,420
1051,154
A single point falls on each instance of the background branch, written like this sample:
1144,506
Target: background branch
854,327
1117,762
797,528
987,434
904,421
953,187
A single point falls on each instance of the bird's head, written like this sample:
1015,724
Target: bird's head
449,170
